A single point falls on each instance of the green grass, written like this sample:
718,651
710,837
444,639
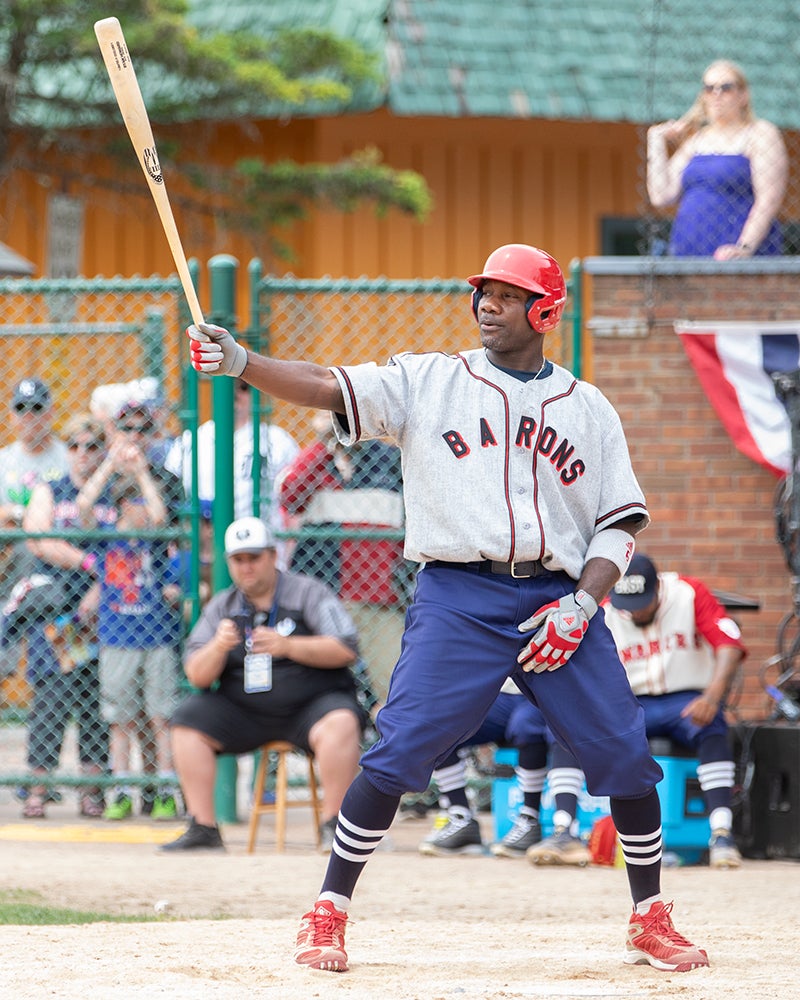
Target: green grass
20,906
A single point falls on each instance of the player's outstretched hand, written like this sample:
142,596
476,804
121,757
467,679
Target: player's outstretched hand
214,351
561,626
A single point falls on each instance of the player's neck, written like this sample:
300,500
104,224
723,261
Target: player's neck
518,366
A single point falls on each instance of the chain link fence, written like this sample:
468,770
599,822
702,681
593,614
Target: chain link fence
93,369
93,581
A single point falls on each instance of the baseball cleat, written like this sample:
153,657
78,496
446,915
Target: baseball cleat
652,939
525,832
559,849
460,834
320,940
722,851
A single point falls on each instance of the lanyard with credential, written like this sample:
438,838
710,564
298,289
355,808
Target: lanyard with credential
258,616
258,666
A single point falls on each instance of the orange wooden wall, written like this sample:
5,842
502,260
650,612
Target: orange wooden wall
492,182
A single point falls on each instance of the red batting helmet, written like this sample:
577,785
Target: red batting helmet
534,270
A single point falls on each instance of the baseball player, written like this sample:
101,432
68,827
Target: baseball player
681,651
522,504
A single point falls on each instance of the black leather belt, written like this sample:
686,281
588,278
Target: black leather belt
519,570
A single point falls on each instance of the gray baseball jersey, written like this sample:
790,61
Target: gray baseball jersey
534,469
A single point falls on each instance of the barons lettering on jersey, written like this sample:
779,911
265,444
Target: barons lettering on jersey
559,451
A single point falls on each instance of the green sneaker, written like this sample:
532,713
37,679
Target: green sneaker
120,808
164,807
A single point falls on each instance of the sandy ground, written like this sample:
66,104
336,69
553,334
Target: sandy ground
468,928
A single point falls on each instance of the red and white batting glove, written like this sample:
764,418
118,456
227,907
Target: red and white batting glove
561,626
214,351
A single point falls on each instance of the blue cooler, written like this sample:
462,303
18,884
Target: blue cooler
507,800
684,817
506,794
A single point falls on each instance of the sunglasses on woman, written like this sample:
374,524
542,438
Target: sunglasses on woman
720,88
84,445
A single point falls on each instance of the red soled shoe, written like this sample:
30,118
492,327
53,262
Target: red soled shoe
320,940
653,939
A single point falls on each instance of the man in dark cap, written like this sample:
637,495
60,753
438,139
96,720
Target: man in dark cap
36,454
681,650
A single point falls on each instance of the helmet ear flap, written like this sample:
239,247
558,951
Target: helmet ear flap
477,295
544,312
532,313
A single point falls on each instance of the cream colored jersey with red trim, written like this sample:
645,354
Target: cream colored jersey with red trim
494,467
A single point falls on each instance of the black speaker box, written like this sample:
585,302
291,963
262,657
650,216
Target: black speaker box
766,814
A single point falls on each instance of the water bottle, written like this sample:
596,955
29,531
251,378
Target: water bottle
783,704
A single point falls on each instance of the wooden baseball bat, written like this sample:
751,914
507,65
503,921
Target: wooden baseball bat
134,113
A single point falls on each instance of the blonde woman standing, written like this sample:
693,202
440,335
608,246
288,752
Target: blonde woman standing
727,172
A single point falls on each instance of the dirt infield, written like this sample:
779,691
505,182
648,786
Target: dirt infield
422,928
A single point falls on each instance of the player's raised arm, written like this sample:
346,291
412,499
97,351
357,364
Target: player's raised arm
214,351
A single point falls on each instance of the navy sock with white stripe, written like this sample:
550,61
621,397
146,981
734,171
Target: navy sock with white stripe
364,819
638,823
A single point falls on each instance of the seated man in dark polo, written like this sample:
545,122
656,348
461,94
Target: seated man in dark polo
281,645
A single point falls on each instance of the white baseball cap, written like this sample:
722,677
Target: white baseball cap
248,534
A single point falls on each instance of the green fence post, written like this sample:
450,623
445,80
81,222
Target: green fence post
576,280
190,419
223,269
254,342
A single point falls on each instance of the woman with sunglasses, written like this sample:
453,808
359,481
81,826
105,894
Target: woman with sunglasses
62,648
727,172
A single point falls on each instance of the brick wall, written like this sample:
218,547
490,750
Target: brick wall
711,507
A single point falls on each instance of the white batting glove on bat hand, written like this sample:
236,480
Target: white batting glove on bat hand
561,626
214,351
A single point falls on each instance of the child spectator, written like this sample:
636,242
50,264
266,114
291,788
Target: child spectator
139,629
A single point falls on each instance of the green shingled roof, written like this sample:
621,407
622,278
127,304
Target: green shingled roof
603,60
606,60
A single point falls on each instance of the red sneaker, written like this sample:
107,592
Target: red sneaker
320,940
653,939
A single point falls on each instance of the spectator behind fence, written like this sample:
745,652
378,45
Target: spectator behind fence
333,486
272,655
60,626
277,448
16,563
36,453
681,651
108,399
139,627
511,721
727,173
